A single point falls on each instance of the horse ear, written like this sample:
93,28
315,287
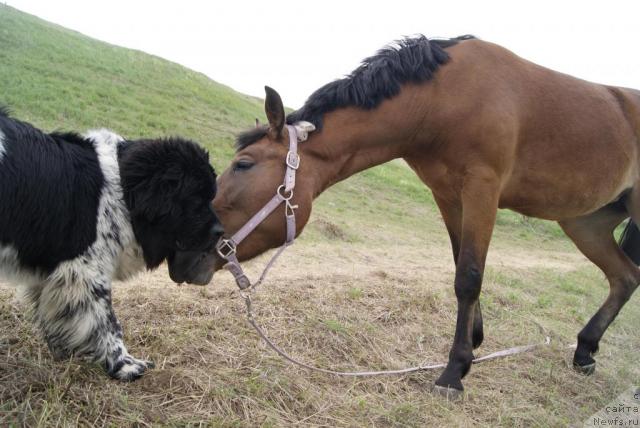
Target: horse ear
275,111
257,123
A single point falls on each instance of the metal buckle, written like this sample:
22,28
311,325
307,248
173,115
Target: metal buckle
226,248
293,160
282,188
243,282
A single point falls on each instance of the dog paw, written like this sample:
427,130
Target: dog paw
129,369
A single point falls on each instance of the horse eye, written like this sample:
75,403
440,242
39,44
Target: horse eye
180,245
242,165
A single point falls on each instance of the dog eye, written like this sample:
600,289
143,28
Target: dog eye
242,165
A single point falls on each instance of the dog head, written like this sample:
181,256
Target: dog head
168,186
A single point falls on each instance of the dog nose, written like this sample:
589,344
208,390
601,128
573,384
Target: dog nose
217,230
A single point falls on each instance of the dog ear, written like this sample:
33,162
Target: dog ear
153,202
156,198
152,179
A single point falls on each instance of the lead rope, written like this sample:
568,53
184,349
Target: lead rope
227,249
422,367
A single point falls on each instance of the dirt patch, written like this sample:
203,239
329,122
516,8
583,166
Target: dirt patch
329,230
531,258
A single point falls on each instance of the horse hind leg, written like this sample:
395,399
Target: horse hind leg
593,235
630,241
630,238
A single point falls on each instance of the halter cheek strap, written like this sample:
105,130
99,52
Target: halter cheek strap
226,248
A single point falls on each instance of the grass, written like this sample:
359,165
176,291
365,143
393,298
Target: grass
368,286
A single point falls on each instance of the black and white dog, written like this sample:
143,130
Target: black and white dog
77,212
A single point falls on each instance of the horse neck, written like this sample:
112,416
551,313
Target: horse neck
350,141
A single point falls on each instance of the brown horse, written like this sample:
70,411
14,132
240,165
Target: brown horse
483,129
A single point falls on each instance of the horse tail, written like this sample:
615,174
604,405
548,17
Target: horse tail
630,241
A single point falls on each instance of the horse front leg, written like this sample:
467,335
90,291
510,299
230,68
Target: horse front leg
479,202
452,216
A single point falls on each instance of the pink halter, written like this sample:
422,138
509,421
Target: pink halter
226,248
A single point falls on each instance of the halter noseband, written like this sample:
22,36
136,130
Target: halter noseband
226,248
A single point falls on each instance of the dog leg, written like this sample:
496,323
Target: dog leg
118,363
78,319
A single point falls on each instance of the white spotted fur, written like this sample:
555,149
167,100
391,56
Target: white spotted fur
10,268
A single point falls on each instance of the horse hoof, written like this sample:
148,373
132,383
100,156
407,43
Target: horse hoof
451,394
587,369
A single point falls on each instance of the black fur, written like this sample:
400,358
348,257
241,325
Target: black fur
49,188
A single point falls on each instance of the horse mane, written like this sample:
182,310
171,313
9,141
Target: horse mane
251,136
379,77
5,111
